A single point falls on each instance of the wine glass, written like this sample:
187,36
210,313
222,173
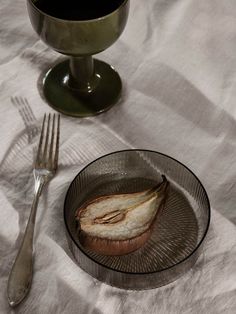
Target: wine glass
80,85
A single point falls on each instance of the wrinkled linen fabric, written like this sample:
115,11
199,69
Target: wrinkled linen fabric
177,60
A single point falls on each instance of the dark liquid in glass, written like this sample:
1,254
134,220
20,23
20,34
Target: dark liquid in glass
78,9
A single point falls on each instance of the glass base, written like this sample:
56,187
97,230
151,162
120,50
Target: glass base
73,102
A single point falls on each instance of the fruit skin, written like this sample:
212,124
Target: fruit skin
106,246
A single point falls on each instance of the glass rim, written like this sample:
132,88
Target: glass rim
78,21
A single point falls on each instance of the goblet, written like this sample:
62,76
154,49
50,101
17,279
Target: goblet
80,85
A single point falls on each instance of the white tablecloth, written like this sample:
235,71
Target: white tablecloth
177,59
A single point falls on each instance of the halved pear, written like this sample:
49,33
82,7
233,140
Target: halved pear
121,223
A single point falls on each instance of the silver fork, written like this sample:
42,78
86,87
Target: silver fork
46,163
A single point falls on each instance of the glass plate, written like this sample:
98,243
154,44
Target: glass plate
177,234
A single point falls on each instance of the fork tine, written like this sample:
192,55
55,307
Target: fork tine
48,150
46,140
55,161
39,153
52,141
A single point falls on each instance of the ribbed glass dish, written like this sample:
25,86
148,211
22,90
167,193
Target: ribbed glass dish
177,235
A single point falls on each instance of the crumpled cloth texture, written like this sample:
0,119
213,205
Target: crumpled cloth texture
177,60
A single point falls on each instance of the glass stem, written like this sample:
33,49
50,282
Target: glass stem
82,74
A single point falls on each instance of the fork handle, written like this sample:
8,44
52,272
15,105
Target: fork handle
21,274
